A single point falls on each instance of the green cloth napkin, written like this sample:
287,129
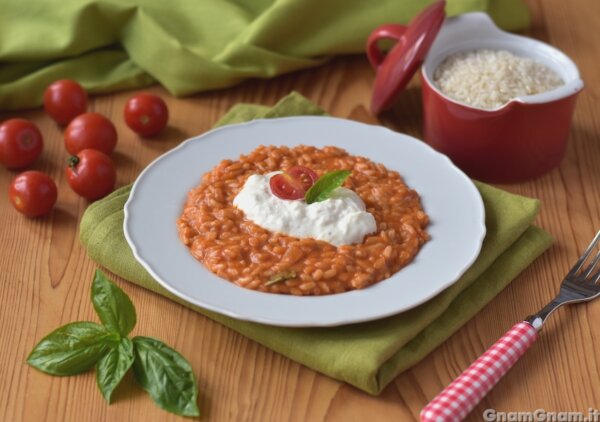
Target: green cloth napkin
190,46
367,355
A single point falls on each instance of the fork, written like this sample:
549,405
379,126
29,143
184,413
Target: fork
466,391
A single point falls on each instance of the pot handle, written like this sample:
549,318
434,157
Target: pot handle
390,31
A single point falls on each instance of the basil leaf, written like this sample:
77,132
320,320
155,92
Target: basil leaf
72,348
112,305
325,185
282,276
166,376
113,366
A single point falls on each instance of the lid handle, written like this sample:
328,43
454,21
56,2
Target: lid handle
390,31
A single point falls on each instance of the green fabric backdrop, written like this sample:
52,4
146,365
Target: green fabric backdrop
190,46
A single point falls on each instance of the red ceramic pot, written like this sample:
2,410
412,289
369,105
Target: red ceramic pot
520,140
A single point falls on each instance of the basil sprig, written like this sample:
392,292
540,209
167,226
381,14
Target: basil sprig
325,185
77,347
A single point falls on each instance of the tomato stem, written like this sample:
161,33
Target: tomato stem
73,161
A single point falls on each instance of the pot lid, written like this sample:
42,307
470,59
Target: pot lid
395,70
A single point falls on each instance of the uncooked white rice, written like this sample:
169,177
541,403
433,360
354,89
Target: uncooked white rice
490,78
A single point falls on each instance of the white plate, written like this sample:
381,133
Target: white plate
448,196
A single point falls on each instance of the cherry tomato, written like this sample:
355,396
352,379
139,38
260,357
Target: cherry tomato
285,186
306,176
293,183
64,100
146,114
91,174
33,193
90,131
20,143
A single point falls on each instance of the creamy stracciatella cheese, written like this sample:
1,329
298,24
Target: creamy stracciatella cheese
340,220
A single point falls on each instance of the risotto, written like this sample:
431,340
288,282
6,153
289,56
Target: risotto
233,247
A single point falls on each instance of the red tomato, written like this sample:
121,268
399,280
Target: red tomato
91,174
285,186
306,176
146,114
64,100
33,193
20,143
293,183
90,131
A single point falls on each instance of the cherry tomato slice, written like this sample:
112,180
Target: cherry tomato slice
20,143
33,193
64,100
285,186
306,176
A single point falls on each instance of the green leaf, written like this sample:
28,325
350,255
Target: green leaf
113,366
325,185
281,276
166,376
112,305
72,348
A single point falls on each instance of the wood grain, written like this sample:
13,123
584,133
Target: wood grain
45,273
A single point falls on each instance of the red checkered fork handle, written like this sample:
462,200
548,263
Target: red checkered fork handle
463,394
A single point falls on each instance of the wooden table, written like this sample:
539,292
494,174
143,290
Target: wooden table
45,273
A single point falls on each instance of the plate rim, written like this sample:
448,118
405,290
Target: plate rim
284,322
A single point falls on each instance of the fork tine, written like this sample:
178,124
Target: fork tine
592,265
596,277
585,255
